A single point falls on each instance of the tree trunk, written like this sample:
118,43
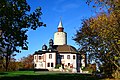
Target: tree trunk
7,61
6,67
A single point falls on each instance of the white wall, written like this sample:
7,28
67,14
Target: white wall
60,38
65,61
53,60
39,62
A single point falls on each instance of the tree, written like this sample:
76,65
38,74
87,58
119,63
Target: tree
13,65
110,5
15,21
98,44
108,25
108,28
100,37
104,46
27,62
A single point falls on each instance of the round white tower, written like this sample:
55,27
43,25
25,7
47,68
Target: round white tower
60,37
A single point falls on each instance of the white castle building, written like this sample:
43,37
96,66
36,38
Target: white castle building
58,53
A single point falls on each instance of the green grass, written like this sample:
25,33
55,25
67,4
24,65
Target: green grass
30,75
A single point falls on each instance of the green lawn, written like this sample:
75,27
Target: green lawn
30,75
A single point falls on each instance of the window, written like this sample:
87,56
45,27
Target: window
63,66
68,56
48,64
68,64
50,56
51,64
62,56
35,57
41,64
73,56
35,65
40,57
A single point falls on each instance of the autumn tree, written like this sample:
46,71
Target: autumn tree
15,21
13,64
100,36
110,5
108,25
108,28
27,62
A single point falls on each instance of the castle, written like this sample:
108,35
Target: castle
58,53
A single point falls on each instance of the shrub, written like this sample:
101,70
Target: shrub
57,66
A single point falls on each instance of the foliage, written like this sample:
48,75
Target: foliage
13,65
27,62
90,67
100,41
57,66
110,5
15,21
100,36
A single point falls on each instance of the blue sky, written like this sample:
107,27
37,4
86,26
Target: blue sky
71,11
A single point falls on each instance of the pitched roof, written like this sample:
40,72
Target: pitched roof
60,49
66,49
60,24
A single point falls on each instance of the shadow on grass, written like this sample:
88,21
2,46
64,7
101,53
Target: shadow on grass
57,76
3,73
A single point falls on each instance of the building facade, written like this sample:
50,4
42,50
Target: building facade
58,52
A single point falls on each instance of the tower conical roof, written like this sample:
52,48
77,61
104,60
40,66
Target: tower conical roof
60,24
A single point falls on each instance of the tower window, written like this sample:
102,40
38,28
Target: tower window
50,56
68,56
73,56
